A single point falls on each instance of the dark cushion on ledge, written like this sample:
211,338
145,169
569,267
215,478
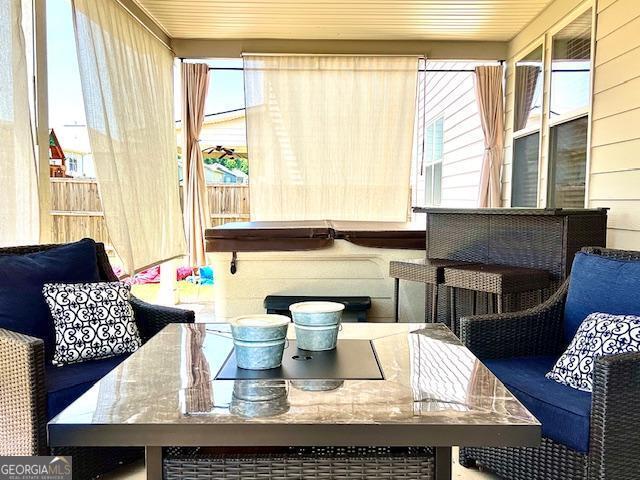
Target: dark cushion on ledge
600,284
564,412
65,384
22,277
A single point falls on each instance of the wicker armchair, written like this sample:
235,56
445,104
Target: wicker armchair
23,410
614,442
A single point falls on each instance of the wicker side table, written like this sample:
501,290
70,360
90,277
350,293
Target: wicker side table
423,270
495,280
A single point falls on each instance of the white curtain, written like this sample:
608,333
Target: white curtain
127,82
330,136
19,210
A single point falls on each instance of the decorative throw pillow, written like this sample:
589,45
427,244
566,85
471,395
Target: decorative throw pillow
91,320
599,334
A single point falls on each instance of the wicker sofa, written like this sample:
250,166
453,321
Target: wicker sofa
23,371
510,344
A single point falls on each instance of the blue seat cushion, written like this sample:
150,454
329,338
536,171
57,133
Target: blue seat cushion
564,412
22,277
65,384
600,284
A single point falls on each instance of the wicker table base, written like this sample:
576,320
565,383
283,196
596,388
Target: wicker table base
301,463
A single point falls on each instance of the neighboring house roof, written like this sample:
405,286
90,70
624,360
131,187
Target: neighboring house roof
220,168
239,173
55,150
218,117
212,172
75,138
227,129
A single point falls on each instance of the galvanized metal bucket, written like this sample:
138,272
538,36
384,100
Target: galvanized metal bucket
317,385
317,338
259,328
259,355
259,398
259,390
316,313
259,340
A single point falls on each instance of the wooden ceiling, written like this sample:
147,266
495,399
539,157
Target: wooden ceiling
498,20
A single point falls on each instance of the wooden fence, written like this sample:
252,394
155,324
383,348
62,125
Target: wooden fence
77,210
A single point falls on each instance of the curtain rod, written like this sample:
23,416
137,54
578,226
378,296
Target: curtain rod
420,70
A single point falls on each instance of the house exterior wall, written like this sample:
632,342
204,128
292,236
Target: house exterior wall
613,166
614,176
451,96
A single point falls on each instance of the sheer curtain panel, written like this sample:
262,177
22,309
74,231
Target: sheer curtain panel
127,82
19,209
330,136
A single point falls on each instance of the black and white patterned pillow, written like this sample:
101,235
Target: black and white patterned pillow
91,320
599,334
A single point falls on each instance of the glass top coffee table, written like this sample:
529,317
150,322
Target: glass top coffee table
386,385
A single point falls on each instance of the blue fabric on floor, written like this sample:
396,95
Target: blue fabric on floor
65,384
564,412
22,277
600,284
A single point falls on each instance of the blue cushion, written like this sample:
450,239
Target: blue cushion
600,284
66,384
564,412
22,277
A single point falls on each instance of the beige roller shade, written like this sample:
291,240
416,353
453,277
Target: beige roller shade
330,136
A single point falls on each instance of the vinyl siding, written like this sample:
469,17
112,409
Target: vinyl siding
452,96
614,177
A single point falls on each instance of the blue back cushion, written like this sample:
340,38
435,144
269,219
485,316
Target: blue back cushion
600,284
22,305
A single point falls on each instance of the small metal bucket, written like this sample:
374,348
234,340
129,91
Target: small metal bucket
317,385
259,355
260,327
316,313
317,338
259,398
259,390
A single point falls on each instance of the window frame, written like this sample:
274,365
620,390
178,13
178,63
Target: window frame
429,189
576,114
540,42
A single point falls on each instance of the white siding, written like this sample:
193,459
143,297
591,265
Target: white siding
451,95
615,141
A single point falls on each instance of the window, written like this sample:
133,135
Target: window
434,141
568,113
72,164
525,170
527,122
568,151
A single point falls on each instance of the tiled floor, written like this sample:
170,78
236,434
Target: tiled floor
136,472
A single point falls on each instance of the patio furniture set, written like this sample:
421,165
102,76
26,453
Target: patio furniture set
414,390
